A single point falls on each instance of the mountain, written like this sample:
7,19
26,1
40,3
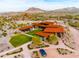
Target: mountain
67,10
10,13
34,10
63,11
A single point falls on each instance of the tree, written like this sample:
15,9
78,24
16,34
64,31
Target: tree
4,34
69,16
36,41
53,39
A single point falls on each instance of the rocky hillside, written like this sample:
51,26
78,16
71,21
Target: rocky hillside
34,10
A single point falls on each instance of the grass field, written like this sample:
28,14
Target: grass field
19,39
33,33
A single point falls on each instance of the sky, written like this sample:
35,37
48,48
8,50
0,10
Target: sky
22,5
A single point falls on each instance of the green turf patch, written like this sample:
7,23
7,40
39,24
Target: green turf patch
19,39
33,33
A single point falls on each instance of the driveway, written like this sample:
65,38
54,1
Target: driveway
75,36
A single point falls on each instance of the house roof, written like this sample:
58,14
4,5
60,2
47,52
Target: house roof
53,26
25,27
42,23
48,26
50,30
43,34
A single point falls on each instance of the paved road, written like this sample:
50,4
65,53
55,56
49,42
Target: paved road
25,52
75,36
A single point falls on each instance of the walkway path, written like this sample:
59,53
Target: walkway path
75,36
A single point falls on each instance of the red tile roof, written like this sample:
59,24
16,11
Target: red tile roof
50,25
42,23
43,34
54,30
25,28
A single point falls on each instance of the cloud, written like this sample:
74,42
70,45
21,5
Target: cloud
61,0
53,4
20,5
11,5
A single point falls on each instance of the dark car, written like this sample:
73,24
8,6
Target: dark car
43,52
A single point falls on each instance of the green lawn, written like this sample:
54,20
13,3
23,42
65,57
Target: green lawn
19,39
33,33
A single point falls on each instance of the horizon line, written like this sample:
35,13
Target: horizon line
38,8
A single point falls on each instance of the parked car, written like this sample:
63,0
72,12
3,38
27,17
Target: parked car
43,52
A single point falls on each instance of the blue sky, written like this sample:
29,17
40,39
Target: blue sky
21,5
